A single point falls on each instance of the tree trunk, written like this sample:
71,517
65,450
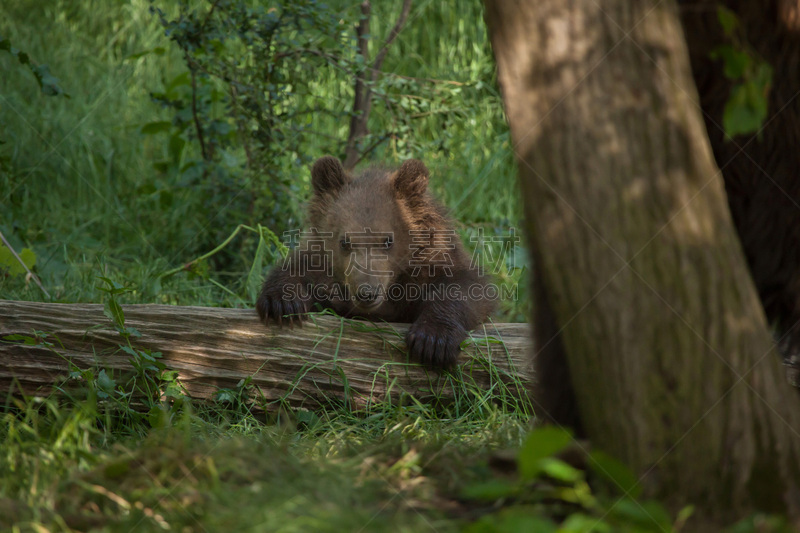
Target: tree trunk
670,358
362,103
328,360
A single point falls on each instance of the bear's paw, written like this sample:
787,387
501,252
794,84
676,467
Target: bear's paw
434,344
273,305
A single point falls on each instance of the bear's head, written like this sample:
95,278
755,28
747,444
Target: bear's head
372,225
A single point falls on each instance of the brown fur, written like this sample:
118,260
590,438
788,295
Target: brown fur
393,205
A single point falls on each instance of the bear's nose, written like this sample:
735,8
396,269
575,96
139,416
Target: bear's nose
366,293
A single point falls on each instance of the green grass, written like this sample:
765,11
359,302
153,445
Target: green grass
79,188
399,471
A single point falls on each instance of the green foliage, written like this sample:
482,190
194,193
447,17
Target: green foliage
132,402
248,107
11,266
617,474
48,83
747,106
547,486
537,449
759,522
512,520
247,100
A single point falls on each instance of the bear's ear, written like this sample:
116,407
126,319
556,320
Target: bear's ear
327,175
412,179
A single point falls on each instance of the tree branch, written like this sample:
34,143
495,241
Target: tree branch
198,127
376,66
362,102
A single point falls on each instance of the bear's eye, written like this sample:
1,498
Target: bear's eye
389,241
345,244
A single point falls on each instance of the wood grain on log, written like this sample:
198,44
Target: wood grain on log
328,359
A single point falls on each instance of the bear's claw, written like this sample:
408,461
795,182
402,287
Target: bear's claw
291,312
434,345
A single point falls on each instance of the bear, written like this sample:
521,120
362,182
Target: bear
381,248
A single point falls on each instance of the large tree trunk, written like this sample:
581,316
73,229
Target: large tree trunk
671,362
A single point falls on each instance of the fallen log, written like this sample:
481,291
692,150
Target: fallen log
329,359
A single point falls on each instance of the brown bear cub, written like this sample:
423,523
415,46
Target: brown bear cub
381,248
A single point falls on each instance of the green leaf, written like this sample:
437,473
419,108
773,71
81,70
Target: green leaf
28,257
157,417
175,148
144,354
559,470
105,382
649,516
199,269
735,63
133,332
173,391
112,286
10,263
177,81
28,341
728,20
541,443
309,418
156,127
47,82
113,311
225,396
256,275
512,520
745,110
758,522
582,523
128,350
684,515
117,469
491,490
158,50
614,471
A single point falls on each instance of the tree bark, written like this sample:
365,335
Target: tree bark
667,348
328,360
